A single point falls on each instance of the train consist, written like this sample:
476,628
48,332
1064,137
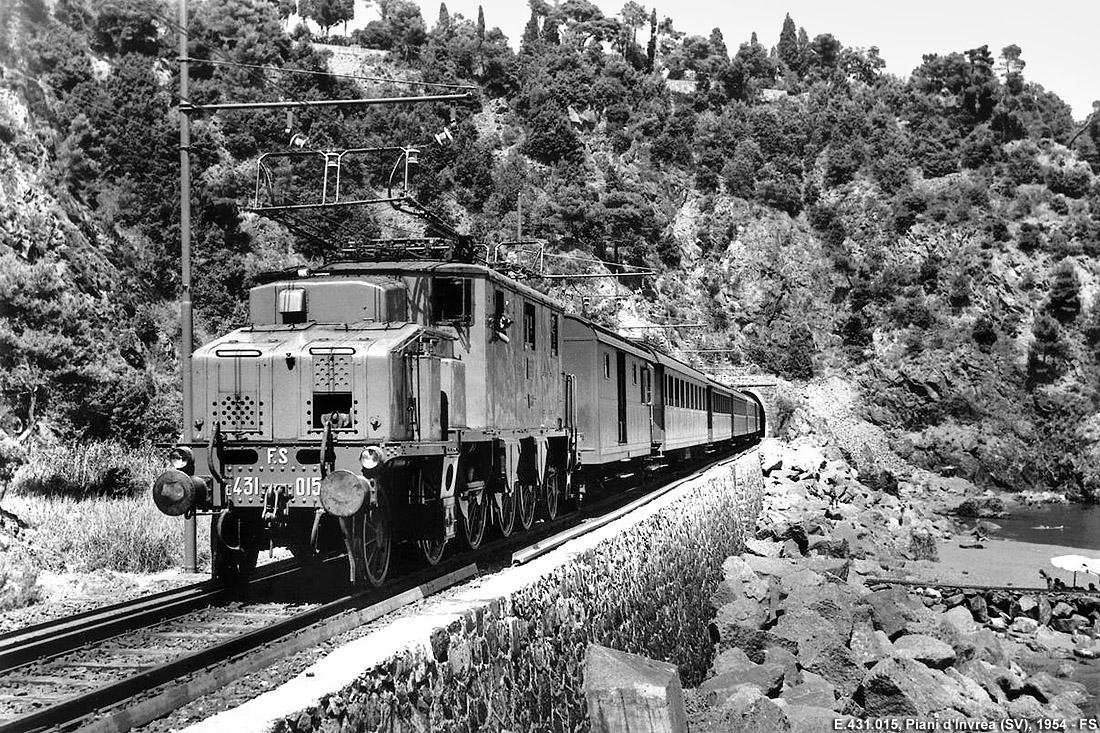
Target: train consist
420,401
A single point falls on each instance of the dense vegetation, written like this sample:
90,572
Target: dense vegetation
934,237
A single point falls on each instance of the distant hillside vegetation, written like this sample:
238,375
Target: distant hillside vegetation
933,238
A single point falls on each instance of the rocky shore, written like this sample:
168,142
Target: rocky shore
807,633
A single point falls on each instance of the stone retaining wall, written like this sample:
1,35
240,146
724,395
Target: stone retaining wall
516,663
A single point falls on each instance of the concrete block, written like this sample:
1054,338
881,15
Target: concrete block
628,692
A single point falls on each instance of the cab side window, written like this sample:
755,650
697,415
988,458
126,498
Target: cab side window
452,301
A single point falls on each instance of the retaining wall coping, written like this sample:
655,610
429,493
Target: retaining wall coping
340,667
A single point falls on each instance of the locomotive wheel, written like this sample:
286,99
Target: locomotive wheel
476,517
377,538
551,489
433,546
527,496
506,511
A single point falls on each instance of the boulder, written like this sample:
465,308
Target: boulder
811,719
895,612
763,716
960,618
630,692
869,646
901,687
831,547
1000,683
1026,707
763,548
789,662
814,691
1024,625
924,649
734,665
830,657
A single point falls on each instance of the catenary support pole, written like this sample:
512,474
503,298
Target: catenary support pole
190,555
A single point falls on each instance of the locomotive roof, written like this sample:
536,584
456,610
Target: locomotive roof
403,267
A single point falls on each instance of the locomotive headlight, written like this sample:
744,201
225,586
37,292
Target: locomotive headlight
181,458
371,457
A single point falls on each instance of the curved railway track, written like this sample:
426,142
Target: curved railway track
126,665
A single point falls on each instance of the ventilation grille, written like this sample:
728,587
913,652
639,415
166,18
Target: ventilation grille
239,413
332,373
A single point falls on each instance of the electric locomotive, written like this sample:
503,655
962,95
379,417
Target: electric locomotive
417,401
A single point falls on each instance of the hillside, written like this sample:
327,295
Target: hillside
931,239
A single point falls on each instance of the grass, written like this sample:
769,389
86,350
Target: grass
79,470
126,534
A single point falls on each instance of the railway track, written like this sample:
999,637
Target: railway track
129,664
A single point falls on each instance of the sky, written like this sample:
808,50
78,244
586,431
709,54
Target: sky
1056,36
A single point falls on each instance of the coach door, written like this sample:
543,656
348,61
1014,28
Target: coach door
620,380
656,395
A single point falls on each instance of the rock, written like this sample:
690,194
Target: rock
733,666
1026,605
961,618
777,466
831,548
1024,625
1000,683
811,719
1075,622
986,506
1047,640
924,649
763,548
831,658
1045,611
790,549
763,716
630,692
1025,707
901,687
1044,688
868,646
1086,653
979,608
1062,610
894,611
742,612
786,660
814,691
1066,670
739,700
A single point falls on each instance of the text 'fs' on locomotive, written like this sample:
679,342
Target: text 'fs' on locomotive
416,401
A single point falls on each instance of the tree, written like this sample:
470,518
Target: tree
1064,302
788,50
1048,351
480,23
327,13
634,17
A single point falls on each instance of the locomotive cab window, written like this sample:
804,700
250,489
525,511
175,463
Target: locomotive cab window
452,301
529,325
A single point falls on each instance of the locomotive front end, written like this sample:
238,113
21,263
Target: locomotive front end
296,414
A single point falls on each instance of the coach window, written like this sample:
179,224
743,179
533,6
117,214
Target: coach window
606,366
553,334
647,389
634,373
529,325
452,301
